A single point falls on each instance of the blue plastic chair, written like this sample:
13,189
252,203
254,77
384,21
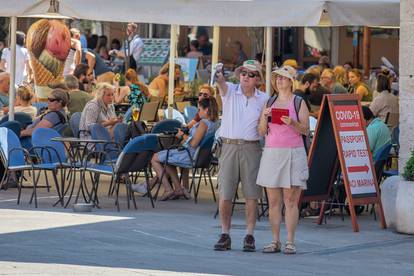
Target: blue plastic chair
176,115
380,158
128,115
23,118
51,155
395,140
39,106
16,159
60,128
135,157
166,126
189,113
42,139
74,123
120,132
98,132
13,125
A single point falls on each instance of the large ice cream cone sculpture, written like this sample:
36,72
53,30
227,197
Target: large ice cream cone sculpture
48,42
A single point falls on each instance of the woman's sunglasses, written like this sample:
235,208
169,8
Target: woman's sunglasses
250,74
53,100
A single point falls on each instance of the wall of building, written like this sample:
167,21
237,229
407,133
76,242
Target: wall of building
387,47
229,35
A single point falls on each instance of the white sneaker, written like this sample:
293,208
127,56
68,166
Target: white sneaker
140,187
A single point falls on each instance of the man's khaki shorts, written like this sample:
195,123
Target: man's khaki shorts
239,163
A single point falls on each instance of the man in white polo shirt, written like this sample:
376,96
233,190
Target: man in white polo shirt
241,152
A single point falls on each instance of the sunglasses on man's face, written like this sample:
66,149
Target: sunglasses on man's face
204,95
52,100
249,74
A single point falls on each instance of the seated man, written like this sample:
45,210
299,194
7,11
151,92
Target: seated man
78,98
54,116
377,131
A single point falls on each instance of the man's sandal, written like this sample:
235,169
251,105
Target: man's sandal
273,247
290,248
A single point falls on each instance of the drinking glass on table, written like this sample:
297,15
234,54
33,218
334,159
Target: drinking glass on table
135,113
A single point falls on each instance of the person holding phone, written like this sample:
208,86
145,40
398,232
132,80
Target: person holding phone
241,150
283,166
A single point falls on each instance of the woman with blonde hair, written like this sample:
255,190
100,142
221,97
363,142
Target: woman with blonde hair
159,86
24,98
134,92
100,110
340,75
283,167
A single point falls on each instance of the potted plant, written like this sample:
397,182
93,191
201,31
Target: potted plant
404,204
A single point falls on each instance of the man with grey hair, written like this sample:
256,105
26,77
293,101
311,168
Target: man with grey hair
78,98
241,151
329,82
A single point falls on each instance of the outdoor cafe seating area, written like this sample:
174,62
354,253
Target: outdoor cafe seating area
73,167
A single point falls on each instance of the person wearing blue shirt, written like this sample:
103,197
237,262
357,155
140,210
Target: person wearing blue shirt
378,132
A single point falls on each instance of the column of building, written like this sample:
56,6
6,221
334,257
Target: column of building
406,81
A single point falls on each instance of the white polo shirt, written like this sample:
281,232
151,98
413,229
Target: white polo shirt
241,115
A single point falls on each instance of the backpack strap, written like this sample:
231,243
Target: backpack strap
271,101
297,102
62,118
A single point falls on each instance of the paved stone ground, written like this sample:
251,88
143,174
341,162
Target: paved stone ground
176,238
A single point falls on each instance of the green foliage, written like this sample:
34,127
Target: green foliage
194,87
408,173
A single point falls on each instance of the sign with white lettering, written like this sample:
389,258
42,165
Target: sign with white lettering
353,144
340,151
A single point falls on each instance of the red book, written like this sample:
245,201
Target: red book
277,114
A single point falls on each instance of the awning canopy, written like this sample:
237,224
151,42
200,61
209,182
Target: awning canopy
219,12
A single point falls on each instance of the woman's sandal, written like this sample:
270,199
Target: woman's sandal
181,193
308,212
290,248
167,195
273,247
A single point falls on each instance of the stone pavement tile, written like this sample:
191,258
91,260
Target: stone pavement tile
177,237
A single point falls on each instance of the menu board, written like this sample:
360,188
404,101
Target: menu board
156,51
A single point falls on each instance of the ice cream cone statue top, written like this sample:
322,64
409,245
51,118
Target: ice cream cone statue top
48,42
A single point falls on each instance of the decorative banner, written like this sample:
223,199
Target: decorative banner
188,67
48,42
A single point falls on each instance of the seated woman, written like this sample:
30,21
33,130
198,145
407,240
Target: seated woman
134,92
357,86
159,86
24,96
208,111
54,116
99,111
